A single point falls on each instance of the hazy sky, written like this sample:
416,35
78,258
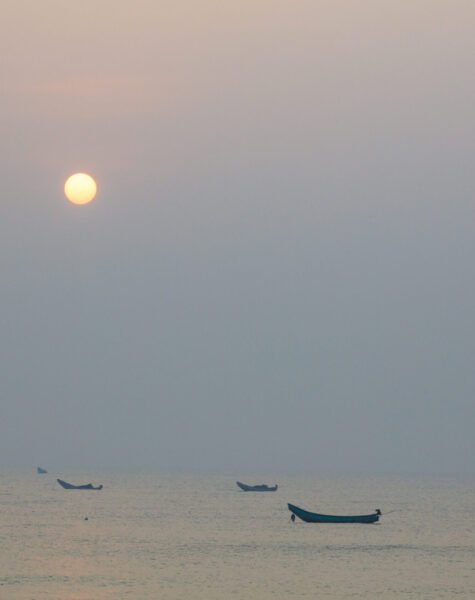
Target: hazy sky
278,270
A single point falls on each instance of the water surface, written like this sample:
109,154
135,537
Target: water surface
196,536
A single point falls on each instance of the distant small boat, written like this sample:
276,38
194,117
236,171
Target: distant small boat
70,486
41,471
310,517
256,488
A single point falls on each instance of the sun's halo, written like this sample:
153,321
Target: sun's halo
80,188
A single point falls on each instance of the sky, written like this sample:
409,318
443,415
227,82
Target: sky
277,272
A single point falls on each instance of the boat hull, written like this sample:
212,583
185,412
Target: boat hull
70,486
256,488
310,517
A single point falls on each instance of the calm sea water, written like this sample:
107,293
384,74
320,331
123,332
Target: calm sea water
189,536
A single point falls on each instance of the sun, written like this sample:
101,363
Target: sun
80,188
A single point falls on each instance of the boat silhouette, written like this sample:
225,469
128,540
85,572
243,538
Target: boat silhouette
262,487
310,517
71,486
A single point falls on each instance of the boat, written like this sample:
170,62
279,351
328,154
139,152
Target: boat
310,517
70,486
41,471
262,487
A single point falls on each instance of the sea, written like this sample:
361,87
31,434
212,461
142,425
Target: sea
195,536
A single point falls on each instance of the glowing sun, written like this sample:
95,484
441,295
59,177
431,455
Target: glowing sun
80,188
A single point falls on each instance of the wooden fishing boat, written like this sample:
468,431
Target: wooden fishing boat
262,487
310,517
70,486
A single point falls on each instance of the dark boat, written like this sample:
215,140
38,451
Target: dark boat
310,517
70,486
41,471
256,488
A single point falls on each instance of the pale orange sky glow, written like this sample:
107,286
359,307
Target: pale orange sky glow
329,67
305,74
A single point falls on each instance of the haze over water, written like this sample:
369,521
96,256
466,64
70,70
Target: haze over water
195,536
